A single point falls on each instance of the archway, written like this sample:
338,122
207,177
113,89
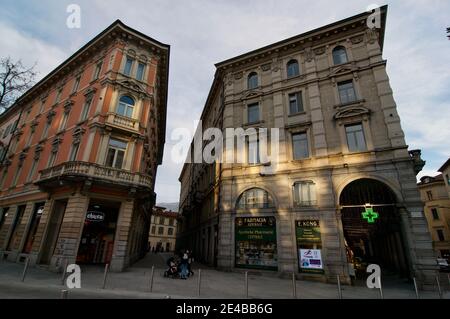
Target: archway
372,228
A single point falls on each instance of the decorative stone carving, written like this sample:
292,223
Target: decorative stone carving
266,67
309,54
90,92
351,112
50,116
357,39
68,106
238,75
319,51
371,35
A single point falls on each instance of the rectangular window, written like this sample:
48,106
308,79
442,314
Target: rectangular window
42,107
76,84
86,108
128,66
170,231
30,139
46,128
74,152
435,214
440,234
295,103
305,194
7,130
447,178
355,138
153,229
16,176
3,215
52,159
64,119
171,222
300,146
430,195
346,92
33,169
253,151
253,113
4,174
162,220
140,71
97,70
116,153
58,95
160,230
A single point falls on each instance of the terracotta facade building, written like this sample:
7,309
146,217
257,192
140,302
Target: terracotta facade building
77,181
344,192
163,230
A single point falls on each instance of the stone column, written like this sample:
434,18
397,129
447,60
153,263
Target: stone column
121,258
225,258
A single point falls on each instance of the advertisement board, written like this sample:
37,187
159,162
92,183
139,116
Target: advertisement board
309,246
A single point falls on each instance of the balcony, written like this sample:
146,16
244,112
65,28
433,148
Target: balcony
80,171
122,121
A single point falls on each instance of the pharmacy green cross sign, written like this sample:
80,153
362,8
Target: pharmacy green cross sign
370,215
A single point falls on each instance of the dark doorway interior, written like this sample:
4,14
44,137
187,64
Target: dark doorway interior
97,240
380,242
34,224
52,233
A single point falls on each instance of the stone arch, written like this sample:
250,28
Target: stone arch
243,190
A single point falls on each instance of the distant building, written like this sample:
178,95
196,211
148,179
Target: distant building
163,230
445,170
437,211
82,150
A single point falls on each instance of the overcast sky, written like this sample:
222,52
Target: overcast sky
202,33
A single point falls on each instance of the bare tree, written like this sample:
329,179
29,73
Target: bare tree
448,31
15,79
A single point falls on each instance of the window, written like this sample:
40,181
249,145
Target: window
304,194
255,198
253,113
116,153
16,176
52,159
435,214
295,103
160,230
97,70
171,222
64,119
126,106
355,138
252,81
74,152
440,234
76,84
339,55
34,166
30,138
253,151
162,220
46,128
430,195
346,92
42,107
128,66
58,95
300,146
2,181
447,178
153,229
170,231
292,68
140,71
7,130
14,126
86,108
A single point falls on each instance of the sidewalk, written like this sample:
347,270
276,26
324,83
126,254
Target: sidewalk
135,283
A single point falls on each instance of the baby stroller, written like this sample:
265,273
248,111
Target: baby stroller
172,271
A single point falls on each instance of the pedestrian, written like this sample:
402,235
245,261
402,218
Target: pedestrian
184,264
190,260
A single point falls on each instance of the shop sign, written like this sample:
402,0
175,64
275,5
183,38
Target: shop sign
309,245
310,259
95,216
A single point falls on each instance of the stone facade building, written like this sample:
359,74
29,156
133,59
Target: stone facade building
342,152
163,230
77,182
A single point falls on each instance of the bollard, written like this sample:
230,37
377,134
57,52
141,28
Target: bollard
64,294
25,269
381,288
199,280
63,277
339,287
151,278
105,275
294,286
439,287
246,284
415,288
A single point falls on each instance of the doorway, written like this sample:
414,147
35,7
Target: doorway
53,228
97,239
372,229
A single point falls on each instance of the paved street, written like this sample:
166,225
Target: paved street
135,282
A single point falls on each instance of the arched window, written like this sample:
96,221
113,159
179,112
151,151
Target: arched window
252,81
255,198
339,55
126,106
304,194
292,68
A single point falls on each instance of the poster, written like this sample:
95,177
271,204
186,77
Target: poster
309,246
256,243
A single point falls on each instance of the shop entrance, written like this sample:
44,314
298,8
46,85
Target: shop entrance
97,240
372,229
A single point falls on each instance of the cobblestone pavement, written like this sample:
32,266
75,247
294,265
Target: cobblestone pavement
135,283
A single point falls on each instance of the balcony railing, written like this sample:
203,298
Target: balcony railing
91,170
123,121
